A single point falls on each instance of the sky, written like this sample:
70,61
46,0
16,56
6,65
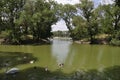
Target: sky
60,25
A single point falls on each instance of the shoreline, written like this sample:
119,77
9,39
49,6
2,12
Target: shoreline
26,42
49,41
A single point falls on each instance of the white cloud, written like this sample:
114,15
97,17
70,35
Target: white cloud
68,1
59,26
77,1
106,1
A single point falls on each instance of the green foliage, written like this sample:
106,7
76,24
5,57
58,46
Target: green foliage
43,18
1,21
39,73
112,73
103,19
117,2
67,12
11,12
89,22
112,15
61,34
22,18
80,30
115,39
86,8
28,17
115,42
111,22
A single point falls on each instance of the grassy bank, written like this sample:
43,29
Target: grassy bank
38,73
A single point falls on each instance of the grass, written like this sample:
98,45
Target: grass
38,73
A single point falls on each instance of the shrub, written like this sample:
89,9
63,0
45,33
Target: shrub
115,42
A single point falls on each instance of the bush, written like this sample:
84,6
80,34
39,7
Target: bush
115,42
4,34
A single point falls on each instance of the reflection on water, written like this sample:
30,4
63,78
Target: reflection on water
74,56
60,50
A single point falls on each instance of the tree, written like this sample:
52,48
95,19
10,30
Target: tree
43,18
112,16
12,9
117,2
111,22
91,16
37,18
67,12
25,21
80,30
2,18
96,27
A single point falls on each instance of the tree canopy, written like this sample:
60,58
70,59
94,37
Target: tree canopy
24,20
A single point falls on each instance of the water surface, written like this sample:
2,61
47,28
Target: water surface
74,56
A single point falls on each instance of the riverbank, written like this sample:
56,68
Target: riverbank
1,40
25,42
38,73
97,41
48,41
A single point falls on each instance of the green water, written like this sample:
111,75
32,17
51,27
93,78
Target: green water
74,56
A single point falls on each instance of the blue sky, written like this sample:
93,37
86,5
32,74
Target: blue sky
61,24
96,2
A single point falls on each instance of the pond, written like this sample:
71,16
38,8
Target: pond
74,56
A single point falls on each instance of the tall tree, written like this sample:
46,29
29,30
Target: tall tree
86,11
44,17
80,30
81,25
0,16
112,16
67,12
37,18
25,21
12,9
111,22
117,2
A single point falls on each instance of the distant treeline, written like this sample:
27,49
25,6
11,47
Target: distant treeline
61,34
